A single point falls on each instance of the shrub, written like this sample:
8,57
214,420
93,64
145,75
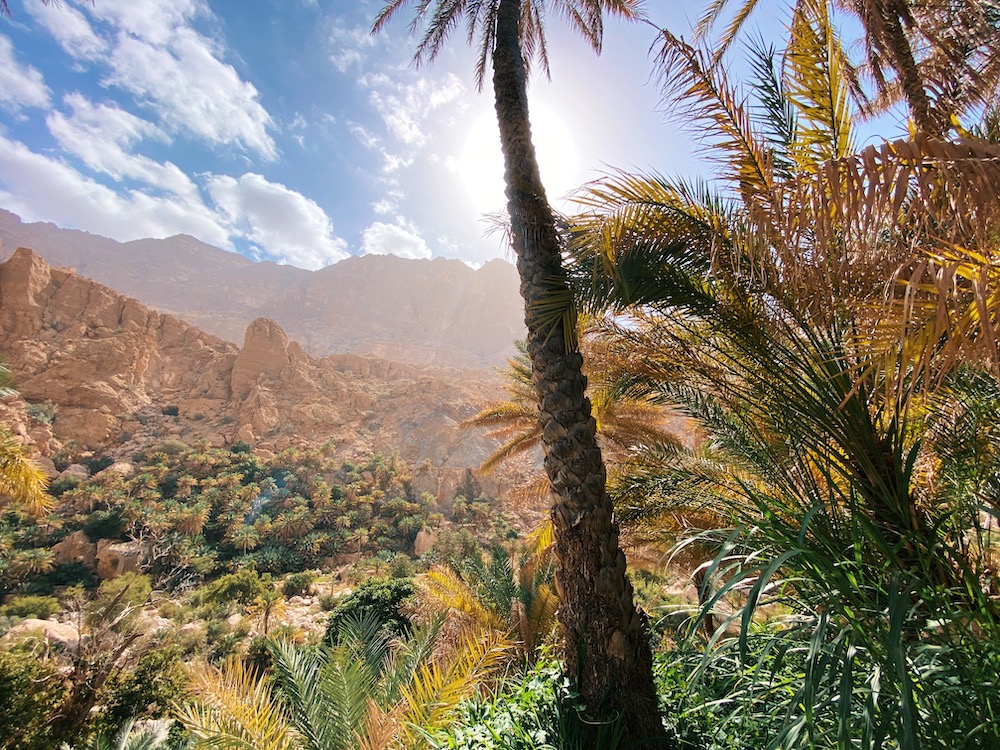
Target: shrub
31,690
148,691
299,584
40,607
380,598
170,411
243,587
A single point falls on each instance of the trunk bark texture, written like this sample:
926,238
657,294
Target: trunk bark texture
604,637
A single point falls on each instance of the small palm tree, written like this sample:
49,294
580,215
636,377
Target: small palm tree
507,594
269,605
133,735
367,691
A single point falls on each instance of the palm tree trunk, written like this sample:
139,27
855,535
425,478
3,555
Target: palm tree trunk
604,637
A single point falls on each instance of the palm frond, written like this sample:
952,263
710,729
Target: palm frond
234,709
21,479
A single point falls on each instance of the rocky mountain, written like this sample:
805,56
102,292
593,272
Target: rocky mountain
102,371
437,312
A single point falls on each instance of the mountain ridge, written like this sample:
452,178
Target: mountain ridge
435,312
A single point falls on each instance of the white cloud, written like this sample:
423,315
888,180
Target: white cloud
72,199
384,206
192,90
394,239
102,136
151,50
20,85
70,28
349,45
405,108
153,21
281,222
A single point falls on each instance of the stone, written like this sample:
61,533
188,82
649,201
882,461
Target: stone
117,558
424,542
60,633
76,548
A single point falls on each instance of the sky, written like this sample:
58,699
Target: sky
283,130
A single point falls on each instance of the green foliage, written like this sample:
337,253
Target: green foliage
118,601
31,689
104,524
538,711
39,607
379,599
299,584
241,587
170,411
43,412
148,691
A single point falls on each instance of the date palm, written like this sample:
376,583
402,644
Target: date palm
21,479
811,310
604,639
940,58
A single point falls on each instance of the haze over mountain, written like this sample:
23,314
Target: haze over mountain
109,374
439,312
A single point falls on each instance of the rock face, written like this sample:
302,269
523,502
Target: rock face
114,376
438,312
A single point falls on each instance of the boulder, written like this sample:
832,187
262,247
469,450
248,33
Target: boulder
76,548
60,633
117,558
424,542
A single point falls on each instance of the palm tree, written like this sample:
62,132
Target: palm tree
604,638
508,594
940,58
366,692
761,309
625,423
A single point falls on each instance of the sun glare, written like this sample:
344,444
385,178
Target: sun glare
481,164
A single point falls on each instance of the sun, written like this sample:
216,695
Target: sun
480,163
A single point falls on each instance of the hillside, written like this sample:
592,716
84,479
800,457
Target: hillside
104,372
439,312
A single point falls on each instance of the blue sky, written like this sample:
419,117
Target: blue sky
283,130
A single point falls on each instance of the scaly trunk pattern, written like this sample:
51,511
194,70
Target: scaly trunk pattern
604,637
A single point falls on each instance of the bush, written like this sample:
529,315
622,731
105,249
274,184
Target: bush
243,587
170,411
379,598
299,584
31,690
40,607
146,692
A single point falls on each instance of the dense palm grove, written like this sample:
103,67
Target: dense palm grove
822,316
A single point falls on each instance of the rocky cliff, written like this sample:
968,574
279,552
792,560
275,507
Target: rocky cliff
420,311
108,373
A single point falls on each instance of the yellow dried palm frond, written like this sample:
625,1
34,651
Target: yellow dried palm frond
21,479
233,709
447,588
439,687
517,445
706,99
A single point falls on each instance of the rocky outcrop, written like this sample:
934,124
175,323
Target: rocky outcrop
114,376
117,558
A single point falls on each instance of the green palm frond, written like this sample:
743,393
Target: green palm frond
448,588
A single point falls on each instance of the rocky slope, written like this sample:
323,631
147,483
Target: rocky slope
110,374
420,311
